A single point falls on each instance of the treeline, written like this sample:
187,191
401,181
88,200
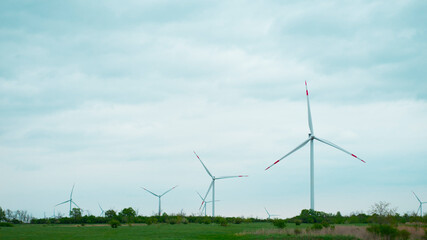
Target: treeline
310,216
129,216
18,216
381,213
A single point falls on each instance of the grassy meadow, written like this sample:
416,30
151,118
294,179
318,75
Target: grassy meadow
160,231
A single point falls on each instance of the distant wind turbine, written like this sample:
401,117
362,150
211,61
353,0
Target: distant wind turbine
69,200
420,208
206,202
311,139
212,186
159,196
270,215
102,210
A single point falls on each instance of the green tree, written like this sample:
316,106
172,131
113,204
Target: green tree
2,215
127,214
110,213
76,213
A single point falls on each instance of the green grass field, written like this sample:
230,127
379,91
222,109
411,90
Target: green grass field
155,231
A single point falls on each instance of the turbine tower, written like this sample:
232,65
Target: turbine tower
212,186
311,139
159,196
420,208
270,215
69,200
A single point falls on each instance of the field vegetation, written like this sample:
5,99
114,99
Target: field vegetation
381,223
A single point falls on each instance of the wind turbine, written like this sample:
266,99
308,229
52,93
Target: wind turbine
102,210
420,208
270,215
69,200
159,196
311,139
206,202
212,186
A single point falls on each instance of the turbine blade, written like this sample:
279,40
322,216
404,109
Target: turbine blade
310,123
199,195
169,190
267,211
337,147
102,210
203,165
75,204
416,197
150,192
72,189
206,195
62,203
231,176
300,146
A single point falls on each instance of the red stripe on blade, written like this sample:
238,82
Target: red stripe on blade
306,91
276,162
354,155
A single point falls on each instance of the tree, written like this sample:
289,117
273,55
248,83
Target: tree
382,213
110,213
382,209
76,213
127,214
2,215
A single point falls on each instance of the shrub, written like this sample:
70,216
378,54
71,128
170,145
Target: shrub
298,222
404,234
238,220
317,226
114,223
383,230
223,222
172,220
297,231
6,224
280,223
206,220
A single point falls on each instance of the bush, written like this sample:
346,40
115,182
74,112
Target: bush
297,231
280,223
114,223
383,230
404,234
238,220
6,224
317,226
298,222
206,220
223,222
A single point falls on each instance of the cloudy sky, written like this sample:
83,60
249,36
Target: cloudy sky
113,96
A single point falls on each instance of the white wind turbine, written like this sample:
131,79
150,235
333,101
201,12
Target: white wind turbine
159,196
70,200
206,202
270,215
102,210
212,186
420,208
311,139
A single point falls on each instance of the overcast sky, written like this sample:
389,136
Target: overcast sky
113,96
